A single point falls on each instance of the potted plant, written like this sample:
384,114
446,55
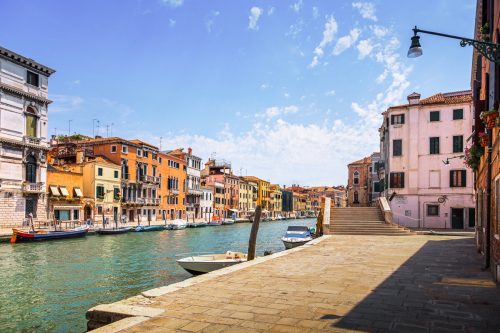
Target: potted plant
483,139
489,118
485,32
472,156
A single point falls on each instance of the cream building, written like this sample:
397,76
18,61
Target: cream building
23,138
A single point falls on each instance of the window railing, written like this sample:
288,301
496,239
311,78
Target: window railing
32,140
34,187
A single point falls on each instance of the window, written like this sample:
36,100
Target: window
160,160
458,178
355,179
99,210
32,78
99,171
458,114
397,147
434,145
124,149
99,191
31,122
432,210
31,169
116,173
356,197
397,119
458,143
113,149
76,214
397,180
116,193
145,153
434,116
139,152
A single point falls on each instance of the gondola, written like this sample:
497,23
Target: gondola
114,231
45,235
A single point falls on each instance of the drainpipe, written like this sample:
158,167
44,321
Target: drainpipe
487,255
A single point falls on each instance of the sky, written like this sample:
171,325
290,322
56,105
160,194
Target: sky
288,91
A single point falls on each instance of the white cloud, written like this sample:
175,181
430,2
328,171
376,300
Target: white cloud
365,47
379,31
65,103
270,11
295,29
171,23
366,9
275,111
330,93
255,13
173,3
286,95
296,7
329,33
264,86
315,12
210,20
346,42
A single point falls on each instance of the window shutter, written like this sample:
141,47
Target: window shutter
464,177
392,119
402,118
451,178
402,175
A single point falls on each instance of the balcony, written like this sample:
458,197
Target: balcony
33,141
173,191
34,187
150,179
195,191
152,201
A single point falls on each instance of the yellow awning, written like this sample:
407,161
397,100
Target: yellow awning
54,191
64,191
78,192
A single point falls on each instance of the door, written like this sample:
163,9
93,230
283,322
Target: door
457,218
115,214
31,169
472,217
30,207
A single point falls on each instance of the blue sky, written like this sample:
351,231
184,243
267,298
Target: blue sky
290,91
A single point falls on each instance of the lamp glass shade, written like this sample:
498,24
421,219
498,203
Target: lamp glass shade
415,48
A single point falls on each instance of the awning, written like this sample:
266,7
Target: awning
67,207
64,191
78,192
234,210
54,191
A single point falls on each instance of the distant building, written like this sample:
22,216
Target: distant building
423,143
23,138
226,199
207,203
358,189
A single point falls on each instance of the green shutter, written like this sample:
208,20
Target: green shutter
31,126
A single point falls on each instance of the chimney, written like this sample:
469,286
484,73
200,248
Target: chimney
190,151
79,156
413,98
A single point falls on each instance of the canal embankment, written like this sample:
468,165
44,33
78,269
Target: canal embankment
338,282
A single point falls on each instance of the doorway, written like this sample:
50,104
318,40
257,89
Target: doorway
472,217
87,213
30,207
457,218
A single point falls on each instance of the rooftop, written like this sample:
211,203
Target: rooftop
25,62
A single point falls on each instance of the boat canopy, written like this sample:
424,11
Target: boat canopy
297,228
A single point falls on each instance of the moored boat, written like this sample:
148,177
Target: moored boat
215,222
113,231
296,236
227,221
145,228
197,224
200,264
44,235
177,224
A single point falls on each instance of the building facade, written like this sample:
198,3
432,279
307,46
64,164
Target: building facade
358,189
173,175
23,138
207,203
426,181
65,195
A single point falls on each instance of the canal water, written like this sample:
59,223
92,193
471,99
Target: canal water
48,286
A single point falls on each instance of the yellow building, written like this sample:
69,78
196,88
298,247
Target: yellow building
65,195
245,197
276,200
101,182
263,193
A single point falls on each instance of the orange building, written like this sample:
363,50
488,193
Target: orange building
172,189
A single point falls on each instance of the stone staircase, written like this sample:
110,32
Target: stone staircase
362,221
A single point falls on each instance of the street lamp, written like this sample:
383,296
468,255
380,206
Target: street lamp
489,50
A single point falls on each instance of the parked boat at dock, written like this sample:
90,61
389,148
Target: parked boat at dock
296,236
215,222
177,224
197,224
113,231
227,221
145,228
44,235
200,264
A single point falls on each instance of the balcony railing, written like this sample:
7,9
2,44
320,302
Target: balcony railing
195,191
34,187
33,141
173,191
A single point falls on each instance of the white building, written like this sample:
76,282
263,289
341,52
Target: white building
207,203
193,178
23,138
422,146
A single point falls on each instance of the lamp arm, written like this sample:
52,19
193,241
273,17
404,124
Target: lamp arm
490,50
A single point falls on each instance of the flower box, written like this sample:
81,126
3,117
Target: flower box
483,140
489,118
473,156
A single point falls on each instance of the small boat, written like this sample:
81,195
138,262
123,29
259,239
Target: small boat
296,236
227,221
197,224
113,231
177,224
279,217
200,264
43,235
145,228
242,220
215,222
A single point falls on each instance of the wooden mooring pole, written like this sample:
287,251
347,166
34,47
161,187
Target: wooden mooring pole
253,233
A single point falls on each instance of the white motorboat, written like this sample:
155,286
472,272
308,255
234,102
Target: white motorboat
200,264
197,224
227,221
177,224
296,236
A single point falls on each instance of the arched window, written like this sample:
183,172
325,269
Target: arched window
31,169
356,198
31,122
355,179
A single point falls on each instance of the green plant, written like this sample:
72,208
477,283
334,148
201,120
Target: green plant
472,156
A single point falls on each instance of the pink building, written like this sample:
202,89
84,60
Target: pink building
423,170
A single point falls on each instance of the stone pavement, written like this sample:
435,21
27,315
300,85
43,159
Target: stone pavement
419,283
